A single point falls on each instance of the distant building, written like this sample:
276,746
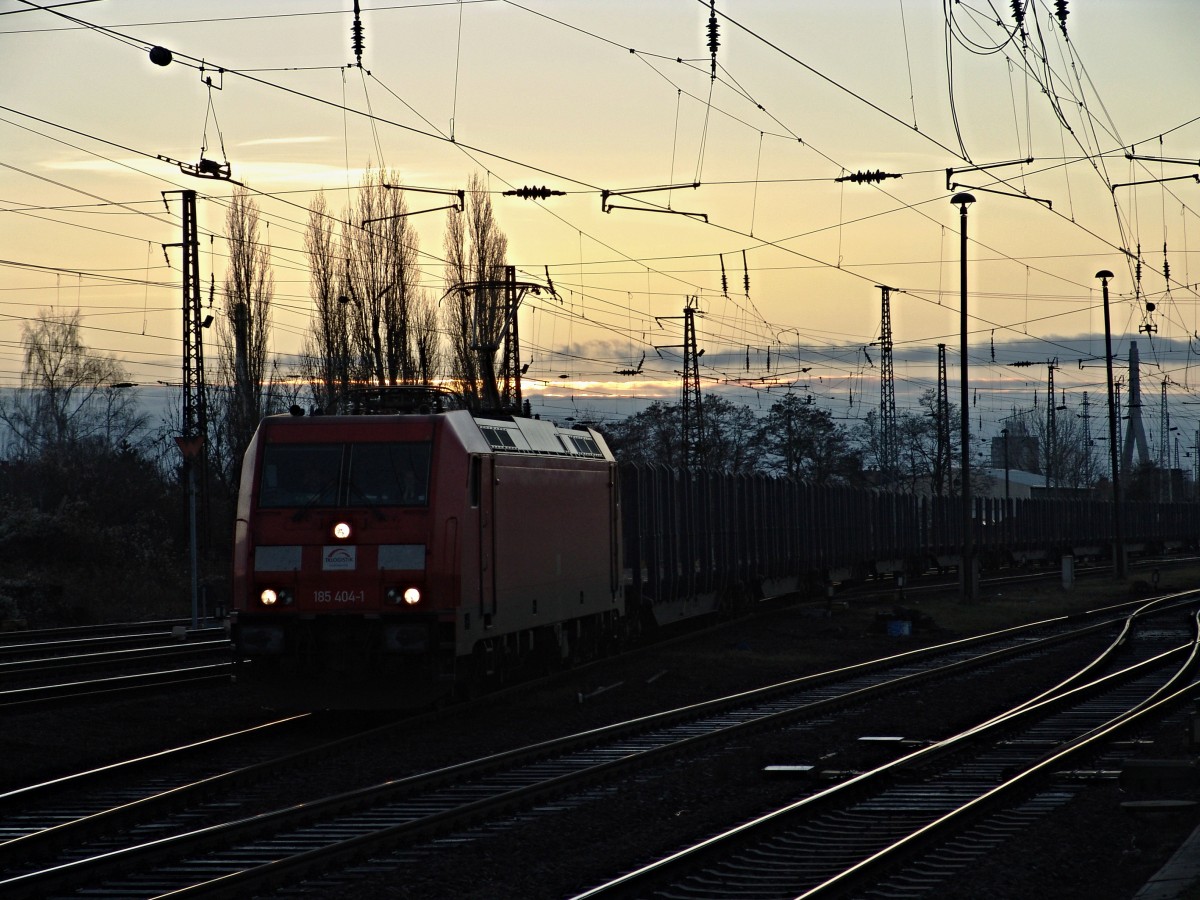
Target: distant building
1021,485
1024,451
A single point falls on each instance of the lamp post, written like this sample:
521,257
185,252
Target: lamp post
962,201
1118,550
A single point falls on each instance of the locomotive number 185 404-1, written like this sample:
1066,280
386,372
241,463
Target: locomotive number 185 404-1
339,596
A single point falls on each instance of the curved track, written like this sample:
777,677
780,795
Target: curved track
244,854
842,838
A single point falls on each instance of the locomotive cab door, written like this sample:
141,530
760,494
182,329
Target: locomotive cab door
483,496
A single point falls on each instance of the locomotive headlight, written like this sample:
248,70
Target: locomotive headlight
410,597
273,597
341,530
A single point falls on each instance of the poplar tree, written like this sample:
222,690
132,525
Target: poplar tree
247,388
373,322
476,250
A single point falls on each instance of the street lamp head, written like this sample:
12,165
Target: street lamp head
1105,274
963,200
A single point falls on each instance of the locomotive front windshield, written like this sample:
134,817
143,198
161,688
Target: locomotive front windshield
358,474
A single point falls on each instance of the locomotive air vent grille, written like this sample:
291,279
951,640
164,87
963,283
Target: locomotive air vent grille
539,442
585,446
499,438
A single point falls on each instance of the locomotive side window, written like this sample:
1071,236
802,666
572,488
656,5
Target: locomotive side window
388,474
300,475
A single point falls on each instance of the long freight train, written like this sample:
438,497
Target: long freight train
456,547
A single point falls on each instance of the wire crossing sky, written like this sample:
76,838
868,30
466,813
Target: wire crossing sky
778,161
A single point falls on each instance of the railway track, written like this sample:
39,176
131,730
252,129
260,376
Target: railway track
923,817
257,850
58,665
17,637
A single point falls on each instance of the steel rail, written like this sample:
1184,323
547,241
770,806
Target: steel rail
1163,699
77,780
9,649
690,858
102,658
92,869
40,634
17,698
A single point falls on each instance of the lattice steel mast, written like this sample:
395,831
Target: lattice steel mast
195,408
693,410
1089,461
192,438
941,464
510,367
888,449
1051,425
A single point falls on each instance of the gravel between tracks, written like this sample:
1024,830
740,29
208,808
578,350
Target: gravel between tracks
1090,849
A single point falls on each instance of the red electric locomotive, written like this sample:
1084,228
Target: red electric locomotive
444,544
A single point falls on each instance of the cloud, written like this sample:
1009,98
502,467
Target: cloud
273,172
262,142
102,166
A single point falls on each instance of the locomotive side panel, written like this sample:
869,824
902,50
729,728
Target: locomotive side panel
555,541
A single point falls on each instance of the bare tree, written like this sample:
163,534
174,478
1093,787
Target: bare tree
919,468
327,358
243,334
70,397
801,439
373,323
476,250
427,340
919,456
1069,458
381,281
654,435
733,436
